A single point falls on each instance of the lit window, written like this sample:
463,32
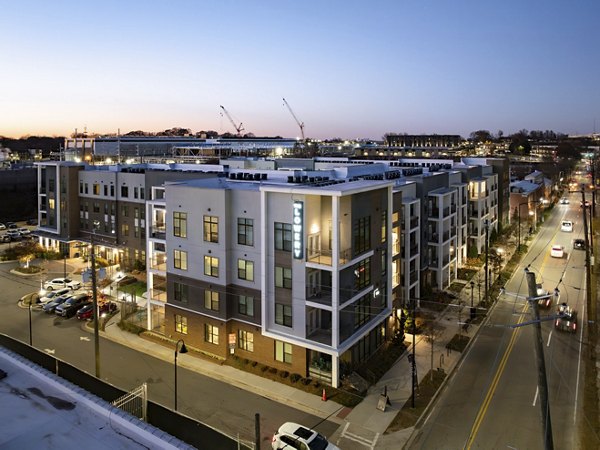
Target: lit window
246,340
283,352
211,266
211,334
211,300
211,229
180,259
181,324
245,270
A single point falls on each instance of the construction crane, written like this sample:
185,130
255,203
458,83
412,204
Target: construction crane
300,124
238,128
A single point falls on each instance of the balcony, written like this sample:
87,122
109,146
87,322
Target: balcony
453,208
325,257
414,276
158,295
158,231
414,222
321,295
159,262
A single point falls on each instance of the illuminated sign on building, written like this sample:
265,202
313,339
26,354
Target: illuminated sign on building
298,230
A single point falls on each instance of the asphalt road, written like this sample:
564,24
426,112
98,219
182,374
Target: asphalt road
492,400
212,402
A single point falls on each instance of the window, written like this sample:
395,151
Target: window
112,190
124,191
361,311
283,314
246,305
283,277
136,213
246,340
81,187
361,234
96,189
211,300
96,207
283,352
362,274
124,210
180,224
383,226
180,259
106,190
211,334
181,324
180,292
211,229
125,229
135,192
142,195
211,266
283,236
383,263
85,187
106,208
245,270
245,231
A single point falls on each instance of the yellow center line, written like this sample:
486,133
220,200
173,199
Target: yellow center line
492,389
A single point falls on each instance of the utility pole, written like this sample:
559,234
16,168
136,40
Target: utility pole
539,353
487,251
591,305
95,226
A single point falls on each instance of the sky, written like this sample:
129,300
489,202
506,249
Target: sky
349,69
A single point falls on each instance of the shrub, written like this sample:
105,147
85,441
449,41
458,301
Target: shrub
305,381
272,370
317,384
295,377
254,364
246,361
263,368
284,374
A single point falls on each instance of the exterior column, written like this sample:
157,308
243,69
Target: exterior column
335,371
335,275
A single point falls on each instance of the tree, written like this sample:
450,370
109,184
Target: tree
500,134
481,136
520,143
567,150
432,330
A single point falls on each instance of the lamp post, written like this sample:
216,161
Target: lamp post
30,329
95,227
472,287
531,213
487,251
183,349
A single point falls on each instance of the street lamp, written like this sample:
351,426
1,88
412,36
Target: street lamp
472,292
183,349
95,227
30,329
531,213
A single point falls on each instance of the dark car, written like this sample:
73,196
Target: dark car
567,319
4,238
51,306
87,312
579,244
69,308
31,222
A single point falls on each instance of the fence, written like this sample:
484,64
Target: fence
135,402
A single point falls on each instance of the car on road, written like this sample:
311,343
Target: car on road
567,319
587,204
53,294
87,312
566,225
291,436
564,201
14,235
70,307
543,302
578,244
557,251
52,305
58,283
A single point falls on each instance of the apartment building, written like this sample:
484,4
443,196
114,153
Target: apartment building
293,273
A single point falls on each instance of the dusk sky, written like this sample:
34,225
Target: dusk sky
350,69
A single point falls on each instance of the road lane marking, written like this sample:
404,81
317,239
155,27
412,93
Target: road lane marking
537,391
549,337
50,351
488,398
84,338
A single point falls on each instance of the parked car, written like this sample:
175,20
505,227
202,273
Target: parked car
70,306
54,294
14,235
587,204
579,244
564,201
567,319
24,231
31,222
87,312
12,226
293,436
58,283
2,226
52,305
557,251
4,238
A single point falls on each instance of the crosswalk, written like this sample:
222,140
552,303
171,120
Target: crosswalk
355,437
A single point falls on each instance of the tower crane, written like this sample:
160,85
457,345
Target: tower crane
238,128
300,124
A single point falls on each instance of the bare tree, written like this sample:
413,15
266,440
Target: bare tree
432,330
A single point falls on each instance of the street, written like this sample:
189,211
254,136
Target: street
209,401
493,401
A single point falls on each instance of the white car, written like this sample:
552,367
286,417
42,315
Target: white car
24,231
557,251
564,201
53,294
566,225
293,436
61,283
